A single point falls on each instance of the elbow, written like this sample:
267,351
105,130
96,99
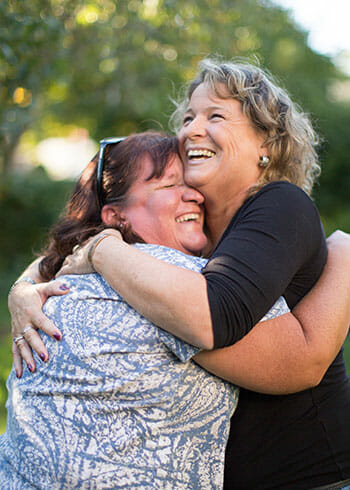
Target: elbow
206,344
314,373
319,372
305,375
204,338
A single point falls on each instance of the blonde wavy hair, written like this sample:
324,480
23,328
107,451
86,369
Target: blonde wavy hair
290,137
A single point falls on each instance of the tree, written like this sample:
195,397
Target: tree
110,66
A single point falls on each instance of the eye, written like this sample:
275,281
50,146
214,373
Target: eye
216,116
186,120
166,186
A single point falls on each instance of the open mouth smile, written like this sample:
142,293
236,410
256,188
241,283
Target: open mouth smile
199,155
188,217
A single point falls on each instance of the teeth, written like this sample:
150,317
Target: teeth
200,153
188,217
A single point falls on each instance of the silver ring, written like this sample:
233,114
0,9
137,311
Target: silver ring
17,339
28,327
75,248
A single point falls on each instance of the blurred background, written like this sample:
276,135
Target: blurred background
73,72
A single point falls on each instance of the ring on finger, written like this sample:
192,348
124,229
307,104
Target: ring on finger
27,328
18,339
75,248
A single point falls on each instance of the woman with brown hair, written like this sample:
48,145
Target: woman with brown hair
121,405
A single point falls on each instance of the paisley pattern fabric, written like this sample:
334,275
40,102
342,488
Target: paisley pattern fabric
120,403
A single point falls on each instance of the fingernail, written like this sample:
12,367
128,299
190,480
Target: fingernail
64,287
42,356
57,336
30,367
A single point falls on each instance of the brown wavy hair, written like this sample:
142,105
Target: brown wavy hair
81,218
290,137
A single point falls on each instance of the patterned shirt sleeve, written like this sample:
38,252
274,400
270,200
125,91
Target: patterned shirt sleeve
182,350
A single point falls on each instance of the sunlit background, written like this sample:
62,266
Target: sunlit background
73,72
327,26
68,148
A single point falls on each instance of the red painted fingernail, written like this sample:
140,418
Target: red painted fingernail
30,367
42,356
63,287
57,336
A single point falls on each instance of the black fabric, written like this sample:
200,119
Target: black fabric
336,486
291,442
275,246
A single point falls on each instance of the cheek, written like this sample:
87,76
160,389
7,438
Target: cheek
229,144
160,213
181,137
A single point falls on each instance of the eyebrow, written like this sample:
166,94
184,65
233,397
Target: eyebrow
173,175
169,177
210,108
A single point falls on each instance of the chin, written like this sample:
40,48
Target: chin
196,249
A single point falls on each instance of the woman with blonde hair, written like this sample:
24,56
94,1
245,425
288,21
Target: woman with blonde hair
251,153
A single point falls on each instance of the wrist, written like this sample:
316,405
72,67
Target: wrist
97,250
21,280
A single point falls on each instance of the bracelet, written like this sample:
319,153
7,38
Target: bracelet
22,279
93,246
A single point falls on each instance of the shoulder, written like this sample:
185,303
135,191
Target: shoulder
172,256
279,203
278,214
281,194
81,287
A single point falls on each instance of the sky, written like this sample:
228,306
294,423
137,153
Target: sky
327,21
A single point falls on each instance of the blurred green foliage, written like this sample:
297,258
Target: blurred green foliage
113,66
5,366
29,204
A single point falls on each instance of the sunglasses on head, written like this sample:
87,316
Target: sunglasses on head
103,144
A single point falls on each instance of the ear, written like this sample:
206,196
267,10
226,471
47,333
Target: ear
110,215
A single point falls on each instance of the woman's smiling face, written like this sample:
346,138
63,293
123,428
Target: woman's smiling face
165,210
219,146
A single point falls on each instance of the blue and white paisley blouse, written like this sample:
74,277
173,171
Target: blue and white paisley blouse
120,404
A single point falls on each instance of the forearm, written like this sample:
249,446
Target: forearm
32,271
15,297
171,297
272,358
325,312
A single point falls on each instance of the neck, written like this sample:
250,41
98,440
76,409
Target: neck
218,217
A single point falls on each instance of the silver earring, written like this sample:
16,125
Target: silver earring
264,161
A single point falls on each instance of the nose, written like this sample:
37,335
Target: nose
191,194
194,128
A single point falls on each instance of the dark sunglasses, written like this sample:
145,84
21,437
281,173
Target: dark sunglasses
103,144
